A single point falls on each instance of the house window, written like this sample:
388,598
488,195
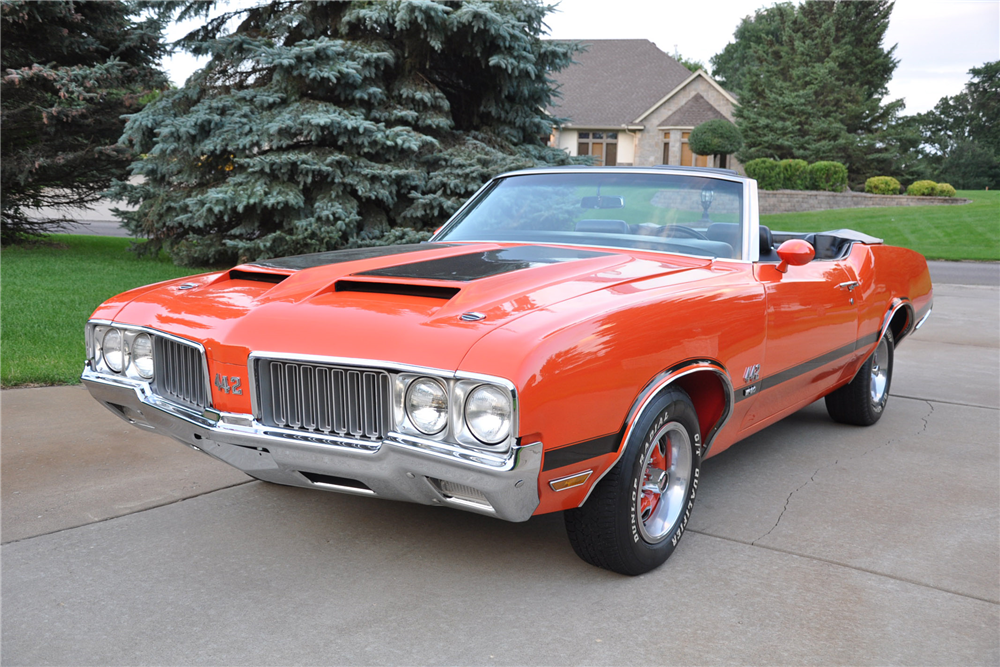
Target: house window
602,145
689,159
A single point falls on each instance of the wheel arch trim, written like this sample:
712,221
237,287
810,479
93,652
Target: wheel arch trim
895,305
660,383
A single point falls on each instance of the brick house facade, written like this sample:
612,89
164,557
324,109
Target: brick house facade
628,103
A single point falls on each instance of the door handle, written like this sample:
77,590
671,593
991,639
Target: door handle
849,285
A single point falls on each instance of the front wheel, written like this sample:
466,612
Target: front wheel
636,515
862,401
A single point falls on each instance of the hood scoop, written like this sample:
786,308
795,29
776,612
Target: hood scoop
257,276
402,289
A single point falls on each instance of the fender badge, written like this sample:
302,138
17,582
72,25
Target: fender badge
471,317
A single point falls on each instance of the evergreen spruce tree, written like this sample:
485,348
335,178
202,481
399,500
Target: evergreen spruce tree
818,86
738,62
69,72
318,126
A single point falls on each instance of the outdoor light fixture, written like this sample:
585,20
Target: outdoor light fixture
707,195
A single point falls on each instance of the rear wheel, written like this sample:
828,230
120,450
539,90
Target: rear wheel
862,401
636,515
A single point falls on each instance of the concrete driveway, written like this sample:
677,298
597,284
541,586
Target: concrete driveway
812,543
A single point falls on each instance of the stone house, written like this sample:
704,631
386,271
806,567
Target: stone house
629,103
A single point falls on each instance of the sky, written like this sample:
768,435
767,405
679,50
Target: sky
937,40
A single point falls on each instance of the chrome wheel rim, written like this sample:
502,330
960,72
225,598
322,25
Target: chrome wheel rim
880,371
665,479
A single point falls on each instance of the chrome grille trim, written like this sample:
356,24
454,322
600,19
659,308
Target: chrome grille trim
179,372
324,398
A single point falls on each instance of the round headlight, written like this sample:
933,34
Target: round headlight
488,413
142,355
113,350
427,405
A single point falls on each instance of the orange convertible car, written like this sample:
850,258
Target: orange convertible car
573,339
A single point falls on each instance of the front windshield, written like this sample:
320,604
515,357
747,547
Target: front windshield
692,215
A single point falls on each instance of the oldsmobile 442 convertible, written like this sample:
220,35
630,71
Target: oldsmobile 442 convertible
572,340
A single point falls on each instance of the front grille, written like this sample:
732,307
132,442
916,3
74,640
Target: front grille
335,400
179,370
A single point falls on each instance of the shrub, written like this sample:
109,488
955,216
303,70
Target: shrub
715,137
944,190
794,174
765,171
922,189
882,185
828,176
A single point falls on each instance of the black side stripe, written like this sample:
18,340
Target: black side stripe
581,451
806,367
608,444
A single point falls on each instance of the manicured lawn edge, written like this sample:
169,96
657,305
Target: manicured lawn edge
47,293
953,232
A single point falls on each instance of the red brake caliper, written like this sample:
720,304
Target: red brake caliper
657,459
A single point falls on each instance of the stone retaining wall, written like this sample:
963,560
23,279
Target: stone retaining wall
793,201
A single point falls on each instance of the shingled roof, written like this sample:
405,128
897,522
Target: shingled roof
694,112
615,81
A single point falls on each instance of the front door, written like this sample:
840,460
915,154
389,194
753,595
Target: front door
812,325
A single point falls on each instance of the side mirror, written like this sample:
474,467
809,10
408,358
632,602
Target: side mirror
795,252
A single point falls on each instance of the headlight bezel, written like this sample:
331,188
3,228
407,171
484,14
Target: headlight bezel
96,331
457,431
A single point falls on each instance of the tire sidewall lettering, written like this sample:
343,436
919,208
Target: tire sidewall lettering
648,441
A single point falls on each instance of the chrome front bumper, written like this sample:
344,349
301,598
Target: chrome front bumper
397,468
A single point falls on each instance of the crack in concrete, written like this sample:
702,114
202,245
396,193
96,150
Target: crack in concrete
812,478
848,566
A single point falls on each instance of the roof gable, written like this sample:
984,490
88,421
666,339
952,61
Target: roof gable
694,112
614,81
700,73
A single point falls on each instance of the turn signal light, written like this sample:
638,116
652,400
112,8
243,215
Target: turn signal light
564,483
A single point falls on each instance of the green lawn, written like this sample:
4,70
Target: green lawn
48,292
962,231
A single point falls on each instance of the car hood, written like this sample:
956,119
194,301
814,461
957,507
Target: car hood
423,304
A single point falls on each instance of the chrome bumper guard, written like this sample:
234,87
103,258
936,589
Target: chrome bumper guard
397,468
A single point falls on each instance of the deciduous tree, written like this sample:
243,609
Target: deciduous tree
961,135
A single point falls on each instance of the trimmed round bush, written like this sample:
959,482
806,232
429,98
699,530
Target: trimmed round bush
944,190
765,171
922,189
715,137
827,176
882,185
794,174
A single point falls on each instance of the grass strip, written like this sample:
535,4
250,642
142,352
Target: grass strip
952,231
48,292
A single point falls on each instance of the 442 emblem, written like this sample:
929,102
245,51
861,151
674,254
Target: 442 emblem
229,383
751,374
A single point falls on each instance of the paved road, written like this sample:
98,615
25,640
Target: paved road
811,543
